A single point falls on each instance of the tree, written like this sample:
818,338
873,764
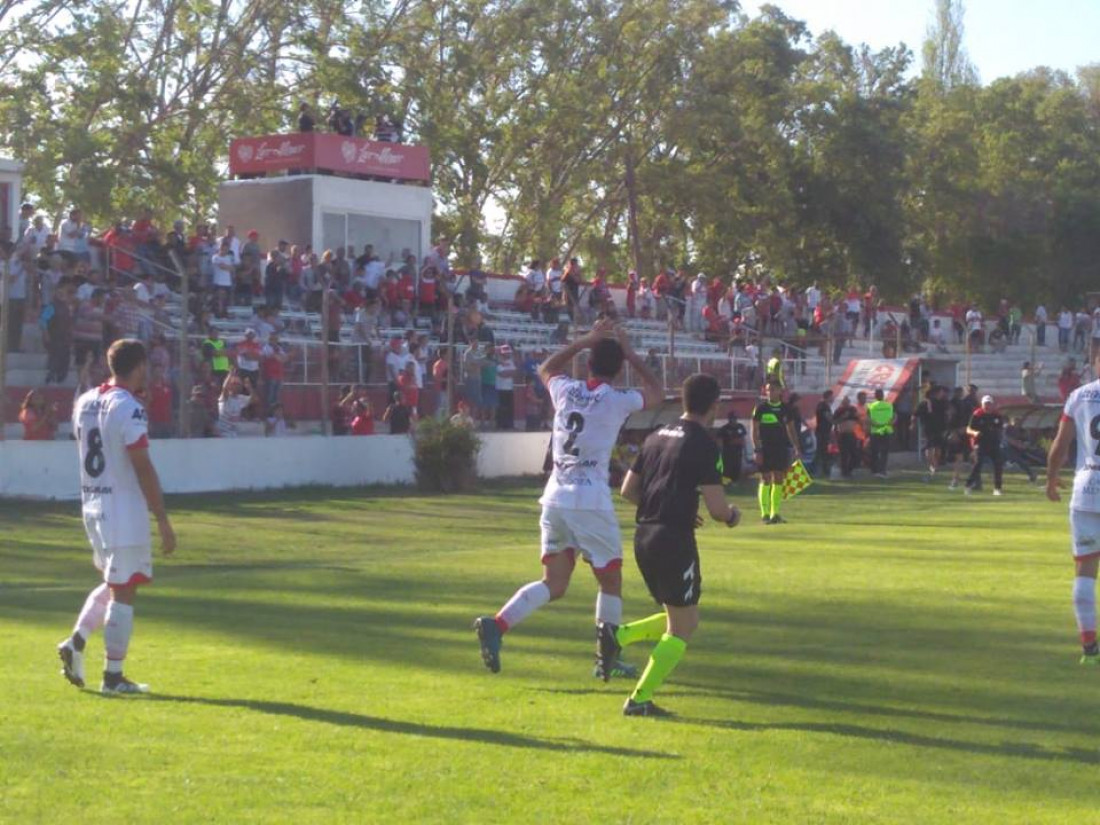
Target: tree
946,62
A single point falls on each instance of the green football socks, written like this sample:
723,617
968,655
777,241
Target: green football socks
648,629
777,497
765,499
662,661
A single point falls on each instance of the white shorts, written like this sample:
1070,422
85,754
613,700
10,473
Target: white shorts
120,565
1084,528
593,533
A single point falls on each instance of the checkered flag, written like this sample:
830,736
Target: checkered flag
796,480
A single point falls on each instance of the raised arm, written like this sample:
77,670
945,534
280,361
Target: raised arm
556,363
652,391
1056,459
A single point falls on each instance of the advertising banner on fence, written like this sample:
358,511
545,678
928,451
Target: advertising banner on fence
869,374
327,152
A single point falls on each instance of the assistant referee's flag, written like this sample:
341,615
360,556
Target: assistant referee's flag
796,480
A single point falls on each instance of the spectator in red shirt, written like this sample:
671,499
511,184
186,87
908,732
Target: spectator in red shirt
38,418
119,241
1068,380
273,367
406,385
362,422
159,406
428,291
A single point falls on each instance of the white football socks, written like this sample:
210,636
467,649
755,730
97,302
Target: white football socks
609,608
94,612
526,601
116,634
1084,606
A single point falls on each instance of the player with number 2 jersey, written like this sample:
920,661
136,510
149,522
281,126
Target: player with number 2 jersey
119,487
1081,421
577,511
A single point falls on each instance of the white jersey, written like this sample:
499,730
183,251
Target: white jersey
587,420
1083,409
107,421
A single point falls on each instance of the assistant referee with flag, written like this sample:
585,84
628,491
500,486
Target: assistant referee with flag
676,464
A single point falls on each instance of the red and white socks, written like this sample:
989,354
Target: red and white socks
94,612
116,634
526,601
1084,607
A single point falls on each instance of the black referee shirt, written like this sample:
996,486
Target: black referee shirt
772,420
674,463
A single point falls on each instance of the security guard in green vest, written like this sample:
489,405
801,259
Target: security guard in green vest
214,351
881,419
774,371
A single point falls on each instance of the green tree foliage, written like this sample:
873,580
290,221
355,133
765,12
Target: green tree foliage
629,132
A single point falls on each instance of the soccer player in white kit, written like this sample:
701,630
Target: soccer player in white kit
119,488
577,511
1081,421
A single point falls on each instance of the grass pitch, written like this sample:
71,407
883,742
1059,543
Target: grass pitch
896,653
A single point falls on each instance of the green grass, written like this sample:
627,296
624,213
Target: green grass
896,653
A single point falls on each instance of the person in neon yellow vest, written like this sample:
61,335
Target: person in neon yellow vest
774,370
214,351
775,443
880,420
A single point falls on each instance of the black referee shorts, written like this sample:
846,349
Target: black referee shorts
776,458
669,561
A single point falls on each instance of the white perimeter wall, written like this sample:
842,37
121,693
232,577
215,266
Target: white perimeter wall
48,470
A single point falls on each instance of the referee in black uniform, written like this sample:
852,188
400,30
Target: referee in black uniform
676,464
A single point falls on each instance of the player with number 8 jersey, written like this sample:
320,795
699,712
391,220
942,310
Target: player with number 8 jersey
578,515
119,487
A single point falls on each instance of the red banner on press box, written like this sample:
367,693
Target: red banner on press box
334,153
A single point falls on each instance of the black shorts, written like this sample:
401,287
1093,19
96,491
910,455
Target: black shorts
775,458
935,441
669,562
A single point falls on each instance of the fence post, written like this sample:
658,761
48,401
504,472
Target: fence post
183,382
5,320
325,428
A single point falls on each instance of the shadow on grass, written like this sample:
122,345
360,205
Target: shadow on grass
419,729
1022,750
840,706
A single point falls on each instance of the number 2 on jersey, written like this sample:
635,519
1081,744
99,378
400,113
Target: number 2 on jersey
1094,431
575,425
95,462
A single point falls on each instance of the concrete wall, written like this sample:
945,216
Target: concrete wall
48,470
